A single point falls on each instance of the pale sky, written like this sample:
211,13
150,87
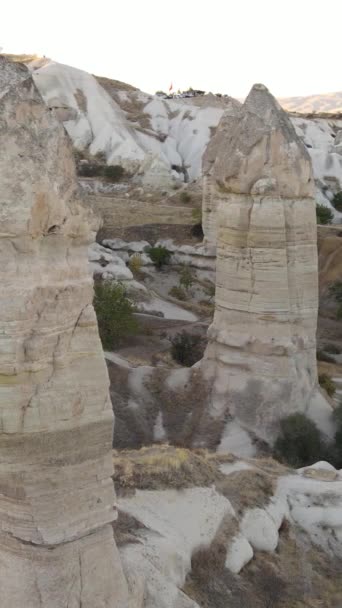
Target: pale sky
292,46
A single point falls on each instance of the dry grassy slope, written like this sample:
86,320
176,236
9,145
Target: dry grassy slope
118,214
325,102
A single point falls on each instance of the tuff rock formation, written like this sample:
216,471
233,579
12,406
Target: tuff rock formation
261,356
215,149
56,492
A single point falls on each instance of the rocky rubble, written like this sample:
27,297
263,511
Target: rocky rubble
244,507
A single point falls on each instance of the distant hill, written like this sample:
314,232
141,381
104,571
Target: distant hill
321,103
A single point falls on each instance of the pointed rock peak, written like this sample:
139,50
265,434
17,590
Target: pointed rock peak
263,154
11,74
218,140
261,102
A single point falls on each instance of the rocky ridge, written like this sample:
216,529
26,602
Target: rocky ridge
162,140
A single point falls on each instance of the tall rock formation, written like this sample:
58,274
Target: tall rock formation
215,149
56,494
261,356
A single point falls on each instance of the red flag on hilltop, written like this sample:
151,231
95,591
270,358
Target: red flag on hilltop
170,87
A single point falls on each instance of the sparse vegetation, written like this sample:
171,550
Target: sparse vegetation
135,264
89,170
327,383
97,168
197,215
187,348
337,201
113,173
324,356
332,349
336,291
185,197
186,278
299,442
114,311
163,466
178,293
159,255
324,214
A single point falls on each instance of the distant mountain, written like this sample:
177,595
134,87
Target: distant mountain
322,103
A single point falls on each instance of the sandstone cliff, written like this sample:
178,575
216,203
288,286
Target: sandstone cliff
56,492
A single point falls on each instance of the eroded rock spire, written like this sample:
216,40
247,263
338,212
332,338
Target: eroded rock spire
261,356
56,493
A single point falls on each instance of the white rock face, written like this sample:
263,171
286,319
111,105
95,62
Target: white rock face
239,553
260,530
316,506
176,524
164,133
108,265
261,355
56,492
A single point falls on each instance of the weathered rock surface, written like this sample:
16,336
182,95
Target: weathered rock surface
261,356
56,493
214,150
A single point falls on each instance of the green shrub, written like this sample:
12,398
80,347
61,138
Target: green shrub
114,311
187,348
185,197
327,383
321,355
299,442
332,349
113,172
100,157
336,290
186,278
178,293
159,256
337,201
324,214
89,170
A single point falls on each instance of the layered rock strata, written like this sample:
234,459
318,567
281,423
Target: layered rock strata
214,150
261,356
56,492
